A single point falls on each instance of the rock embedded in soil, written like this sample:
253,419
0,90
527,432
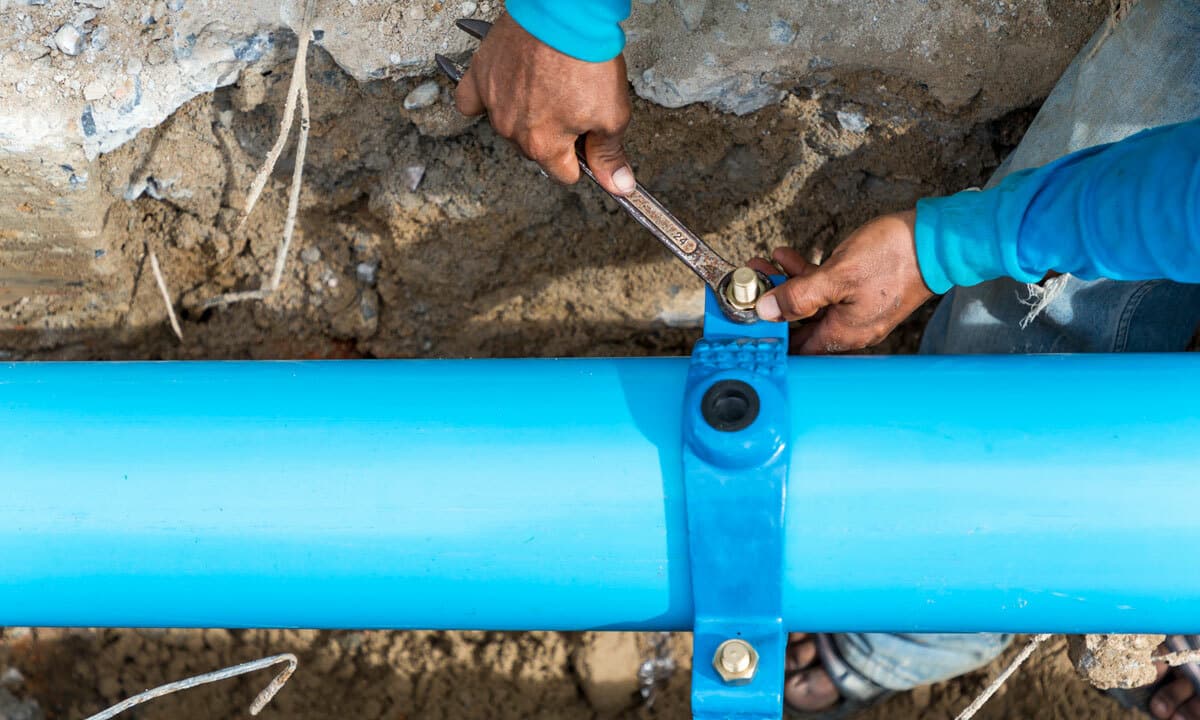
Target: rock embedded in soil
94,90
607,665
1114,661
13,708
852,121
69,40
423,95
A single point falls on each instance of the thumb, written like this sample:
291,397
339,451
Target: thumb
798,298
606,157
466,96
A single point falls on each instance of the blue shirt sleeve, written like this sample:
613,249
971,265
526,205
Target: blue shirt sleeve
1126,211
584,29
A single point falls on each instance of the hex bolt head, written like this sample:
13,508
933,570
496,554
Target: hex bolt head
743,287
735,661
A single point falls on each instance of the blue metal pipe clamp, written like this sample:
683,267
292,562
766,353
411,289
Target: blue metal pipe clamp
736,453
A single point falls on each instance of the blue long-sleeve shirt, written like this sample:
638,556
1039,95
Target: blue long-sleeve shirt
584,29
1126,211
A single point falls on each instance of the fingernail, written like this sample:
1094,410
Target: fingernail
1159,708
623,179
767,307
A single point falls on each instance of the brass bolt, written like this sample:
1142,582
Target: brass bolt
735,661
744,288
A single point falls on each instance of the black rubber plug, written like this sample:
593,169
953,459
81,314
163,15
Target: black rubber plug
730,405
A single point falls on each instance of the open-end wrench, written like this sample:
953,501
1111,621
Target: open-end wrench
736,288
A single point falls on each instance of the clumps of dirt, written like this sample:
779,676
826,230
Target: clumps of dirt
341,674
1115,661
607,665
423,235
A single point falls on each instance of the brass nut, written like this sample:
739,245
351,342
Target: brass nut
735,661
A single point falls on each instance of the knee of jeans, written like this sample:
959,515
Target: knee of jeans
902,662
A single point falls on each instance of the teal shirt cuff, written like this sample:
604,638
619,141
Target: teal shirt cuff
1129,210
584,29
970,237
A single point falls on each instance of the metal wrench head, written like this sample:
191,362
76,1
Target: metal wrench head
477,29
449,68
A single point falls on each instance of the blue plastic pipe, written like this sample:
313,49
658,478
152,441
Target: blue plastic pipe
925,494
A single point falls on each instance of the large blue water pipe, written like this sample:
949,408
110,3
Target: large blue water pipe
736,494
1054,493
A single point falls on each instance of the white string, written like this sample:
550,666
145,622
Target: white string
991,689
259,703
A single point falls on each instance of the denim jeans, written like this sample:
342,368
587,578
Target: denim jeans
1144,73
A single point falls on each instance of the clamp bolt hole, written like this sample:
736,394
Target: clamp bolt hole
730,405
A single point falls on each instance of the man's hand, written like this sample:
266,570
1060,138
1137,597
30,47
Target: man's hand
867,287
543,100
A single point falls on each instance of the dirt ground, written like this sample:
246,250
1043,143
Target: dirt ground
436,676
485,257
422,235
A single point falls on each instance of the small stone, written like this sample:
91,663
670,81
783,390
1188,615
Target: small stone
423,95
417,13
134,66
413,174
310,255
83,17
11,677
94,90
1114,661
607,664
852,121
369,306
12,708
175,5
68,40
782,33
469,8
100,37
157,54
691,11
365,272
